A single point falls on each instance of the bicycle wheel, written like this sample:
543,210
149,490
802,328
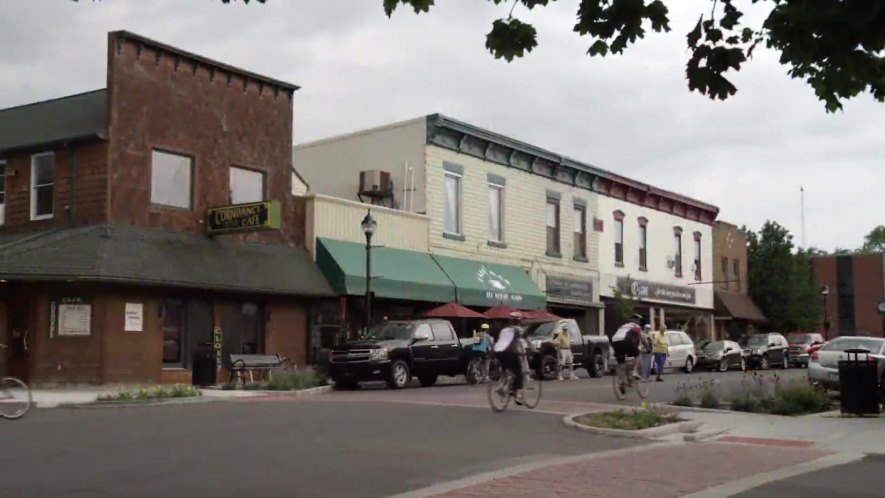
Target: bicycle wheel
531,391
619,382
474,371
15,398
499,392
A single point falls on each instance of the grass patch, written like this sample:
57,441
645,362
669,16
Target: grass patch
631,421
152,392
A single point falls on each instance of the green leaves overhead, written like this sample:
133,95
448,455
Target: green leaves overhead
511,38
417,5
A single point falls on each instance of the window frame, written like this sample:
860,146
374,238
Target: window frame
230,189
556,250
579,251
698,248
191,188
459,202
499,187
34,186
677,256
2,192
443,328
619,238
643,244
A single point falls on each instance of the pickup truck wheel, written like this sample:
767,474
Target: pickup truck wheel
399,375
548,367
597,366
427,380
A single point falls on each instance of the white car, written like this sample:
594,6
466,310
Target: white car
680,351
823,366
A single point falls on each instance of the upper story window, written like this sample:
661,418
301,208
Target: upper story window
246,185
619,238
580,232
496,212
725,279
553,248
737,274
697,256
171,179
42,185
452,203
2,192
643,244
677,251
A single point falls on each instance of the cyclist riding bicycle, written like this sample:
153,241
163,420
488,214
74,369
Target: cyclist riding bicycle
625,342
509,349
482,344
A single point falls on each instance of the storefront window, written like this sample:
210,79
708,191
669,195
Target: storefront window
173,333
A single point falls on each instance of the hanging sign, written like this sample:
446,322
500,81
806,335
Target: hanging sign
216,346
252,217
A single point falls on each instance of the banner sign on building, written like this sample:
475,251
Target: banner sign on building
238,218
569,289
642,289
134,317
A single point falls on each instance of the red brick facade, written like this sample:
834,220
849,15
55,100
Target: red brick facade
855,290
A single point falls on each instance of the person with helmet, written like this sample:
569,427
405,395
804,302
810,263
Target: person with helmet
509,349
482,345
625,342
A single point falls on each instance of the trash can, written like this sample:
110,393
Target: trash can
203,367
859,383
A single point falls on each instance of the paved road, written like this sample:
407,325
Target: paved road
854,480
274,448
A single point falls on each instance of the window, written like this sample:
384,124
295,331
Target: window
737,274
725,279
42,185
452,204
496,212
246,185
423,332
173,333
2,191
552,227
619,238
677,251
697,256
580,233
171,179
643,244
674,339
442,332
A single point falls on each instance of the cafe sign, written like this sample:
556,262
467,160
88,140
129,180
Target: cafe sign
642,289
497,286
251,217
569,289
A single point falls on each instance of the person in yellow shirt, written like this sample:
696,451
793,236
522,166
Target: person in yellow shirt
660,349
563,342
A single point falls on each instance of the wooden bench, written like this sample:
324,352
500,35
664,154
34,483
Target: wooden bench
241,363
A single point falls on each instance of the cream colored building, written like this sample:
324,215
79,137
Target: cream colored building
491,198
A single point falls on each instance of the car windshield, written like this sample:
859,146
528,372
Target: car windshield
714,346
800,339
540,329
756,340
391,330
866,343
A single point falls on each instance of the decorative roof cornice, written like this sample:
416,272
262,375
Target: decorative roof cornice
465,138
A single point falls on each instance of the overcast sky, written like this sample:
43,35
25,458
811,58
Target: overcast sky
632,114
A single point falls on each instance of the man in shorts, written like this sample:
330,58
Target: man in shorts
625,342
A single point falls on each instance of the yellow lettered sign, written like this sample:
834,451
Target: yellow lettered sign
237,218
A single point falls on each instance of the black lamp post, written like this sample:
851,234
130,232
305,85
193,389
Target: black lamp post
369,225
824,292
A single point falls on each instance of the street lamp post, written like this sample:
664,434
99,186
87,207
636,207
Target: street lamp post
368,224
824,292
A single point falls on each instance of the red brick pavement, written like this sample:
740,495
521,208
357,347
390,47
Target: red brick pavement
668,471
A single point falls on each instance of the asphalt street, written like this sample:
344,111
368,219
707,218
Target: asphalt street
854,480
280,448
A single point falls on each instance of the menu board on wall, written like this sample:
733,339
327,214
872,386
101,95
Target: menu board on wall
70,316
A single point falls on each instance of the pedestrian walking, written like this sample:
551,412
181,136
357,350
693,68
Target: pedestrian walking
661,348
565,359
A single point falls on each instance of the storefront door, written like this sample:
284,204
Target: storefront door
242,326
20,344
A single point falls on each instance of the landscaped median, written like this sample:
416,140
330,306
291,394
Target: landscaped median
149,395
755,394
636,423
285,380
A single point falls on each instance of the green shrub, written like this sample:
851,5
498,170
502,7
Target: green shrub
709,400
797,399
633,420
744,402
684,400
295,380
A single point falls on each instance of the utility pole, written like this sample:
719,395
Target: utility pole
802,213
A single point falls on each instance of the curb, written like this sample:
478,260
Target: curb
100,405
699,437
650,433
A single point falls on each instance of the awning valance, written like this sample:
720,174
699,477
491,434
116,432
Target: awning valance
490,284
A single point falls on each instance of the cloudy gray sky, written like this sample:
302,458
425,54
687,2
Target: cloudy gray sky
630,114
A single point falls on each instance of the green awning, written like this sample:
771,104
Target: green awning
489,284
396,273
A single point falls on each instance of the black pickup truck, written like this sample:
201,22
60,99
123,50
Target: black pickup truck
397,350
591,352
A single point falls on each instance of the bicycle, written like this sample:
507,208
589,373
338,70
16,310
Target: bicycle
15,397
623,380
500,387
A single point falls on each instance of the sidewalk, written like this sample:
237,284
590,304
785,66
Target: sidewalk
54,398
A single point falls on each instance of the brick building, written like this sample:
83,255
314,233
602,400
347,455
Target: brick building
107,273
855,287
736,313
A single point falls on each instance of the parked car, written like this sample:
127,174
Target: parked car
680,351
823,365
799,346
591,352
765,350
397,350
721,356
